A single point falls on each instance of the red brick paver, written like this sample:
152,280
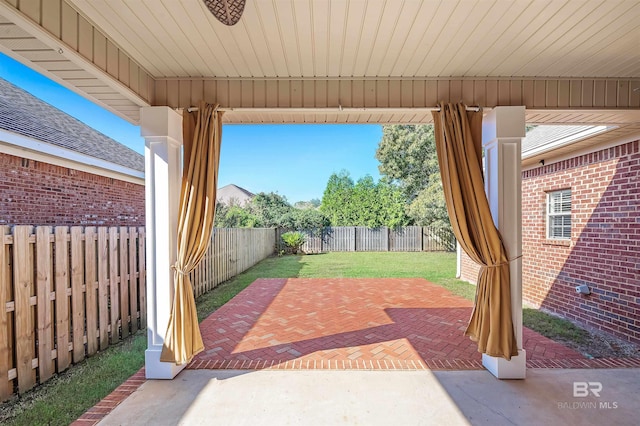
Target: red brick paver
373,324
345,323
96,413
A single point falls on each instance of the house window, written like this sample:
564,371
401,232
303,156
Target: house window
559,214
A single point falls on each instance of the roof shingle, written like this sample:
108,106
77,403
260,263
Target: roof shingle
23,113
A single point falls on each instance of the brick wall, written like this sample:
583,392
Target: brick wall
604,250
468,269
37,193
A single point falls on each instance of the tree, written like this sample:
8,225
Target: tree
304,220
269,208
234,217
393,205
337,198
314,203
365,203
407,156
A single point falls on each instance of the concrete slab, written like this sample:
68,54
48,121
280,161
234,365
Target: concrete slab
308,397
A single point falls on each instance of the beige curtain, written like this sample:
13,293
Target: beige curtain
202,131
458,137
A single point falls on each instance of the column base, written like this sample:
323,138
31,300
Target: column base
156,369
503,369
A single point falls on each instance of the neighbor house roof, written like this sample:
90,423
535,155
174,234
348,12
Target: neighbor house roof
24,114
545,138
233,192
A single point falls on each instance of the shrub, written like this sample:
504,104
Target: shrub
293,240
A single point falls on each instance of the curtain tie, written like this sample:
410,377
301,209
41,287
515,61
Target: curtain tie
496,265
176,268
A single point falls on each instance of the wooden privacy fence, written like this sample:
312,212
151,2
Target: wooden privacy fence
65,293
360,238
232,251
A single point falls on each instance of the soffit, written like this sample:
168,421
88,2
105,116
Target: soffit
377,38
570,61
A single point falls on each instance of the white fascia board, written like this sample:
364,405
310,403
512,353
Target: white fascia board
586,150
22,146
593,131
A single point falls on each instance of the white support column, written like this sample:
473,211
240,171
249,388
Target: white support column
502,131
161,128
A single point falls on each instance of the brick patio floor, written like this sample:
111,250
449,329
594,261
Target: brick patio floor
373,324
363,323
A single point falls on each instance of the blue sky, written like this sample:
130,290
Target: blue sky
292,160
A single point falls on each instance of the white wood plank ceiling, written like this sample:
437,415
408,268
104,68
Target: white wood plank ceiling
567,61
377,38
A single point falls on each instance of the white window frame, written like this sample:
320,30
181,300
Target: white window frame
558,208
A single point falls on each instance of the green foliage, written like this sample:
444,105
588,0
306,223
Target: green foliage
268,208
67,395
407,155
392,205
365,203
429,207
303,220
558,329
336,202
235,217
311,204
293,240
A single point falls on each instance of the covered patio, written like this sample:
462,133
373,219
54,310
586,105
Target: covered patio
352,324
364,350
338,61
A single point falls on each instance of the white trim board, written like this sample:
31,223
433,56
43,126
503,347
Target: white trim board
586,150
32,149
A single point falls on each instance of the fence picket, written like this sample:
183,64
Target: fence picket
6,387
89,286
114,294
124,283
59,286
349,238
43,292
142,271
103,287
23,284
133,280
62,299
91,289
77,296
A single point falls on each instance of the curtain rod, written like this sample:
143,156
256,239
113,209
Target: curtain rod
328,109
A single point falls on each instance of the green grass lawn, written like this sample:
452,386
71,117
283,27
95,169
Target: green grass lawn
439,268
68,395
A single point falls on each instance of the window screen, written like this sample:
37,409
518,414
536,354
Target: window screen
559,214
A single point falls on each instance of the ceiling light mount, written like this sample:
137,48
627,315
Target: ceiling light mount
228,12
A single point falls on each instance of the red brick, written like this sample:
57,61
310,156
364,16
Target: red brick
605,251
37,193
